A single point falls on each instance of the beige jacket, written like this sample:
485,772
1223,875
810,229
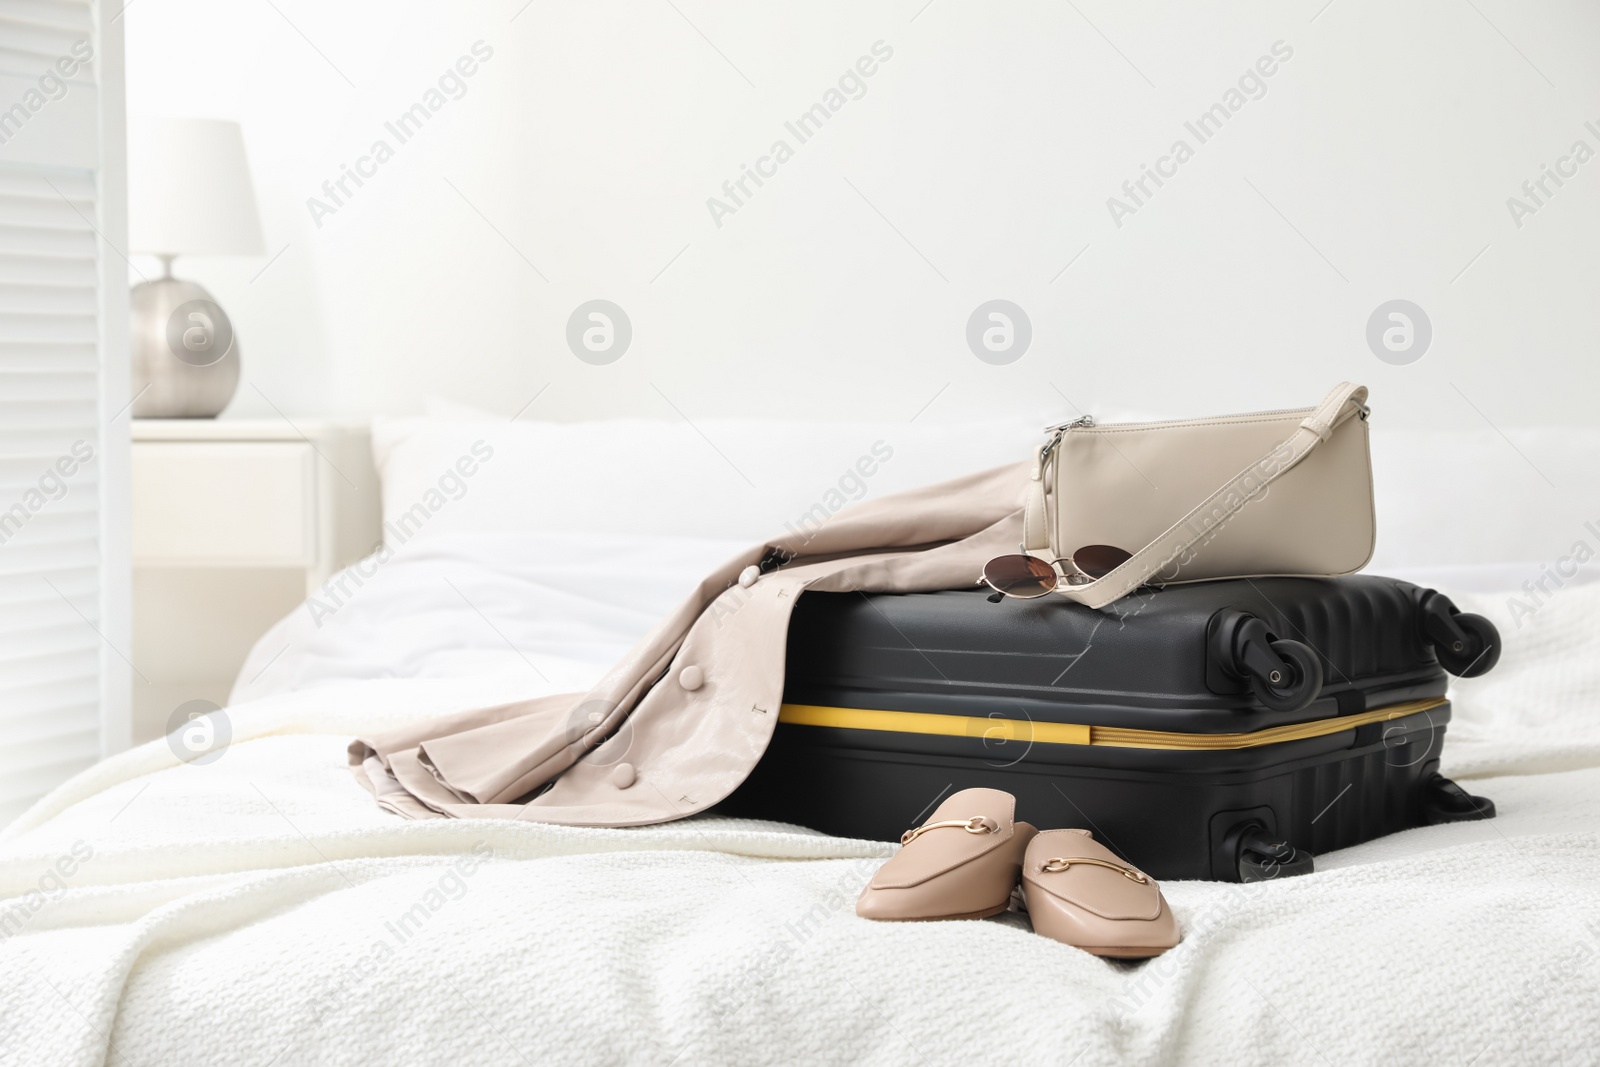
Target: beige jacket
679,723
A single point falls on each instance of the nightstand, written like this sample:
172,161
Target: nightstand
235,522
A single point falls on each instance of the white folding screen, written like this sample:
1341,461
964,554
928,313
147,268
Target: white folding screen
63,393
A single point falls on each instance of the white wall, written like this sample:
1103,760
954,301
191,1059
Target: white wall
1387,146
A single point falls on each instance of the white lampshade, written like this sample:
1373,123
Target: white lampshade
189,190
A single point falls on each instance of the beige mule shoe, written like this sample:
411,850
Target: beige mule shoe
1079,892
960,864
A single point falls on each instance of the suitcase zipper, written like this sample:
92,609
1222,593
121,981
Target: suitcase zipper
916,722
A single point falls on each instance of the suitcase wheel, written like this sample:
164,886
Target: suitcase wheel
1445,801
1262,857
1466,645
1293,685
1284,675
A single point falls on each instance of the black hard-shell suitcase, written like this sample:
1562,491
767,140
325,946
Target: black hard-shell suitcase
1226,730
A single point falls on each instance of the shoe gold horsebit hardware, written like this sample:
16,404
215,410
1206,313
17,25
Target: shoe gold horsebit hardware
978,824
1057,863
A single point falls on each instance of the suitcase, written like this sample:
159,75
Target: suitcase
1225,730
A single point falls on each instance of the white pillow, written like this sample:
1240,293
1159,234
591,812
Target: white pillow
1453,497
714,478
1445,498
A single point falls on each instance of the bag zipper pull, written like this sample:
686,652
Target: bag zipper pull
1082,422
1079,423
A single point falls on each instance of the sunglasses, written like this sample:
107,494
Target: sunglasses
1026,577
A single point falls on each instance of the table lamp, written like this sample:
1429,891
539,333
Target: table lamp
189,193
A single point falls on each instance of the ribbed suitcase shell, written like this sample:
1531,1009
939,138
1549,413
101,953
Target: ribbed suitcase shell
1145,664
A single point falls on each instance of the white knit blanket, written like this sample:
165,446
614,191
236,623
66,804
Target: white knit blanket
261,910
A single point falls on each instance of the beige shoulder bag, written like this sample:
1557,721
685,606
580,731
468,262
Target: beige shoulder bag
1269,493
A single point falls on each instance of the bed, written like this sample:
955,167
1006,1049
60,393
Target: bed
259,908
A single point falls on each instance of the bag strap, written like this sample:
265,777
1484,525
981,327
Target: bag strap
1346,400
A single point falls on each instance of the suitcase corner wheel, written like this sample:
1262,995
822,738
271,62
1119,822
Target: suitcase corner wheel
1284,675
1466,645
1445,801
1260,856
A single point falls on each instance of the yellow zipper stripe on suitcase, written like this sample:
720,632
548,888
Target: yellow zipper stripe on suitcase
917,722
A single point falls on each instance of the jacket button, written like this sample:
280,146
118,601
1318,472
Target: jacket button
691,678
623,775
748,576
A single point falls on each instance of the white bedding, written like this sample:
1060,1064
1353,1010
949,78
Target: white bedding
549,610
255,910
261,909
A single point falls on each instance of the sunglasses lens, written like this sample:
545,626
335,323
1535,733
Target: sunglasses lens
1097,561
1020,576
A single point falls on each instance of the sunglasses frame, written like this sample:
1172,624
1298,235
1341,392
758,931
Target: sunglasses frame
1076,576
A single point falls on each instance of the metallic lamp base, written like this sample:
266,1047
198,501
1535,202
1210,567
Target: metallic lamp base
185,355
